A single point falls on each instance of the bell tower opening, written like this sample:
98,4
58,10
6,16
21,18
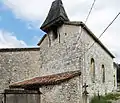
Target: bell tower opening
55,33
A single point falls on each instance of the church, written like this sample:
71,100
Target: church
71,64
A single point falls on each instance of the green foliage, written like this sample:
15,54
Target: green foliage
97,100
111,96
106,98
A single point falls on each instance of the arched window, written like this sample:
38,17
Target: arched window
92,70
103,73
114,80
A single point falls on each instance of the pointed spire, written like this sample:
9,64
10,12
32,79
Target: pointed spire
56,16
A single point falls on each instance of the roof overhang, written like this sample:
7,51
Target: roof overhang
45,80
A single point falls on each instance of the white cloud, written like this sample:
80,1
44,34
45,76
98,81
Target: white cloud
36,10
103,13
33,25
8,40
28,9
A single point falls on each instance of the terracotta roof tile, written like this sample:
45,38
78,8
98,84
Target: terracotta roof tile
45,80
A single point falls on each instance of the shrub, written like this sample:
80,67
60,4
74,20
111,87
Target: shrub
97,100
106,98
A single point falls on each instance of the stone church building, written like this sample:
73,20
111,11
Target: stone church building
65,69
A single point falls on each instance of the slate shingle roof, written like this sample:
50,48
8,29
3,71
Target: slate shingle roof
56,16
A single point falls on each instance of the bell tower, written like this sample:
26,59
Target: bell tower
56,17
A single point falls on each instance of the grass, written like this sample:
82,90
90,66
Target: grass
105,99
112,96
97,100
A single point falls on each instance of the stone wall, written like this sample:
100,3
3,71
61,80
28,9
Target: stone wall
59,57
18,64
66,92
66,54
101,57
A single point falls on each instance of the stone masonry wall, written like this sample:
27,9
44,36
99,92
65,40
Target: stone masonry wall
101,57
59,57
65,52
17,65
66,92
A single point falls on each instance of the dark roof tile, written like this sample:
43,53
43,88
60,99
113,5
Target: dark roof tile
55,16
19,49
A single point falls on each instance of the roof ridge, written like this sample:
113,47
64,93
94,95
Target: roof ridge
18,49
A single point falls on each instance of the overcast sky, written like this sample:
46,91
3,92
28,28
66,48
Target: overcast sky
20,21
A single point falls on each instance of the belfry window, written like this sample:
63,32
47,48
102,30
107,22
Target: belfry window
103,73
92,70
55,32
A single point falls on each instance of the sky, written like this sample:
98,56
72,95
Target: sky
20,21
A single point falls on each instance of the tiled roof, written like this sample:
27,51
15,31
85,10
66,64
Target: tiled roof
46,80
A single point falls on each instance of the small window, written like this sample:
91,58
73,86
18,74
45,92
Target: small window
93,70
55,33
103,73
114,80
